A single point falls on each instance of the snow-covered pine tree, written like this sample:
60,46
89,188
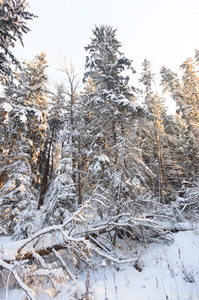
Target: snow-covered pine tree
62,199
30,83
115,166
155,142
56,120
30,90
74,129
66,180
190,82
185,93
13,24
17,193
72,83
24,129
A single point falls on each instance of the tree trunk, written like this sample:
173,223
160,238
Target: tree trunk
45,177
114,140
161,194
79,174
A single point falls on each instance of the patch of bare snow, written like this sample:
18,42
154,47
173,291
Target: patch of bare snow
168,272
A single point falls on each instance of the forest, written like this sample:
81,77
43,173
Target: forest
83,170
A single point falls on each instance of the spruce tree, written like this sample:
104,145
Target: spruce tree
115,167
17,193
13,24
24,129
65,188
154,145
185,92
56,121
62,199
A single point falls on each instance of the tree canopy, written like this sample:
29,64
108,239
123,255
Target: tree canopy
83,169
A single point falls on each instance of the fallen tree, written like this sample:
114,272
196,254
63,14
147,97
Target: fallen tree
81,241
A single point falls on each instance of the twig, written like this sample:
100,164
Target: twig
17,278
64,265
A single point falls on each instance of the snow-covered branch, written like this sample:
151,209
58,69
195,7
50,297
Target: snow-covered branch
80,238
23,286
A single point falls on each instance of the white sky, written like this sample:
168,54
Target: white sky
164,31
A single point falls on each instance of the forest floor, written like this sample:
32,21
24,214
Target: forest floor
166,271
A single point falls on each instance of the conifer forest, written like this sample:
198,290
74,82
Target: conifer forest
92,163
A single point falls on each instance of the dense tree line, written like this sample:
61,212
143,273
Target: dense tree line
99,141
60,150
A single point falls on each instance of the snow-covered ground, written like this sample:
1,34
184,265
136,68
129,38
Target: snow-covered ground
169,271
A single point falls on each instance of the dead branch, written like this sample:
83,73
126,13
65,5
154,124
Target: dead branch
23,286
80,239
66,269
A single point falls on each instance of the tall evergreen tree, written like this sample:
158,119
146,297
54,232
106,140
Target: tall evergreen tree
13,24
72,115
185,93
62,199
56,120
24,129
114,162
155,107
30,83
17,194
65,116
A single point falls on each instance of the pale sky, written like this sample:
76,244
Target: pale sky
166,32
